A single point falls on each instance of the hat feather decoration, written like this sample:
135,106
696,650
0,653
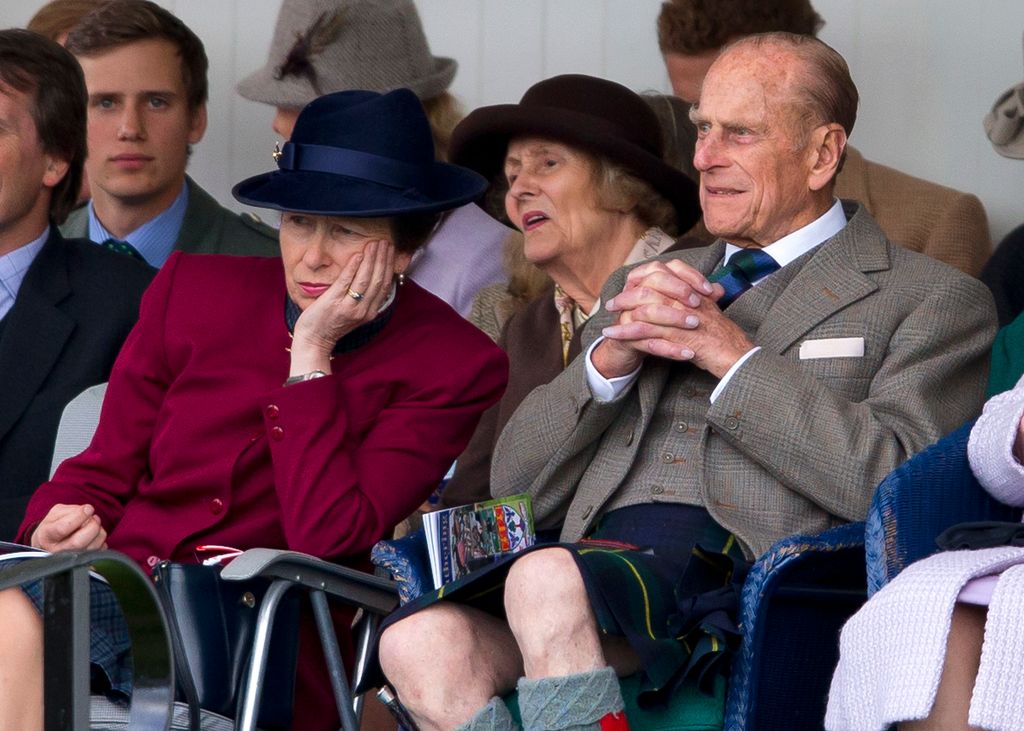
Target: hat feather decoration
299,61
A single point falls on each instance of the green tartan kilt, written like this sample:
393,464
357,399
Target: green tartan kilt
665,577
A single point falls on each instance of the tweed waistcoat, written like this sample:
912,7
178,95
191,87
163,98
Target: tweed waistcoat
668,468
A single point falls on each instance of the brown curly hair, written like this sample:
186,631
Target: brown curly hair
695,26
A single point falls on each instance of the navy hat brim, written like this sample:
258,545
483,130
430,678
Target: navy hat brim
445,187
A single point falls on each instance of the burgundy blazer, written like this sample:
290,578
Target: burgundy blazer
199,442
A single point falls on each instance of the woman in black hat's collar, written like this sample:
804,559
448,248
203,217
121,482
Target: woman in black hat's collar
310,406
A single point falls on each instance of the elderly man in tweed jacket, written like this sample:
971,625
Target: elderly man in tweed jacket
780,412
764,384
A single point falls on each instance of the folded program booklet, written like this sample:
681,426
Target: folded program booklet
16,551
468,537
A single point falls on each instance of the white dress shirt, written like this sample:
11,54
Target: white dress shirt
787,249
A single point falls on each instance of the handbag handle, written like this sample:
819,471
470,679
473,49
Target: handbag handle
182,671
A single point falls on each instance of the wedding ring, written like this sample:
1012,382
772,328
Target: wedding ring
357,296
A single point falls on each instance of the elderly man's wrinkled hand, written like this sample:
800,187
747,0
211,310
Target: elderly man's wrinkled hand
70,528
669,310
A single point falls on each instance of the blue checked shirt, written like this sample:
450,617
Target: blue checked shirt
13,267
154,239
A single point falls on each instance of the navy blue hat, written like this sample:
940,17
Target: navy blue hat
361,154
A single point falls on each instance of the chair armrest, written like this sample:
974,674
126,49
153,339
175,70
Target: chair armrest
66,636
918,500
795,598
363,590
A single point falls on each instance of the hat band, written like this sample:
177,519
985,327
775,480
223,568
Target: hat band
352,163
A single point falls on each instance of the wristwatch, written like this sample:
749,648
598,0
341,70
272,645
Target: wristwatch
304,377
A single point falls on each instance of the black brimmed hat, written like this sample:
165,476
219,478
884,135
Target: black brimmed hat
597,115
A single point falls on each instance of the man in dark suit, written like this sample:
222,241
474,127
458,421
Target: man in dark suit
66,306
146,75
761,386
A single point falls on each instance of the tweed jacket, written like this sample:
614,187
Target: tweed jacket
941,222
208,228
75,307
533,341
791,445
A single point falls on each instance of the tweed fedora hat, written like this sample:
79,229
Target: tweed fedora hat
323,46
361,154
597,115
1004,124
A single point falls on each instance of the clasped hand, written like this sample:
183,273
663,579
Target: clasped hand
70,528
669,310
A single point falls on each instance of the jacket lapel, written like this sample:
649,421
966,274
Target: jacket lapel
36,331
833,277
200,228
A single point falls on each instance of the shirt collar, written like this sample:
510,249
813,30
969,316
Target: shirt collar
794,245
155,238
13,267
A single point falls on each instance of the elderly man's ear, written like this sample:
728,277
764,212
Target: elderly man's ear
826,150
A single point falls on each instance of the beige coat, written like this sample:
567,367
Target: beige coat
935,220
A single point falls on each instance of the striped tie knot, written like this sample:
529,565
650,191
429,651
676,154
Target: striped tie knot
739,274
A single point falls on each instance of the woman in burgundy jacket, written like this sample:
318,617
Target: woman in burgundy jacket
309,402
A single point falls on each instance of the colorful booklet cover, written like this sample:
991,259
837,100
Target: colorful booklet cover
462,539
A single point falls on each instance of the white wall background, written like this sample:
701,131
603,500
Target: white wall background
927,70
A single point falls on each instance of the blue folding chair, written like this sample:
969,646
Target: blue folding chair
795,600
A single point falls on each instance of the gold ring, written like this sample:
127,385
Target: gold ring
357,296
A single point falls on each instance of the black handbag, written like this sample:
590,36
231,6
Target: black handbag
212,623
981,534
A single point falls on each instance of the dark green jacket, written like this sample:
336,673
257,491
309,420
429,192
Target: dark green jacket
208,228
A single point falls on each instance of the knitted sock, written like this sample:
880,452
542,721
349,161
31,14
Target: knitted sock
492,717
571,702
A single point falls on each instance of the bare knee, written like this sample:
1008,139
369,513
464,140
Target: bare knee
428,636
447,661
21,664
543,581
22,627
550,616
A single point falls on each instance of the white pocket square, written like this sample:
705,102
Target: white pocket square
832,348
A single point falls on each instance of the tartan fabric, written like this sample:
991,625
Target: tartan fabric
664,576
669,583
109,642
741,271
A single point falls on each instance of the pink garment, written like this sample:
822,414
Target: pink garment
978,591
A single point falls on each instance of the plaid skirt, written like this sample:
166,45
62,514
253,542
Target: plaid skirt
109,643
665,577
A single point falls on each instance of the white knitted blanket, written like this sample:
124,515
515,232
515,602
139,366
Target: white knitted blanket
892,650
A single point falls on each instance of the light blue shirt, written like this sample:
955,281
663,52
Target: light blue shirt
13,267
155,238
